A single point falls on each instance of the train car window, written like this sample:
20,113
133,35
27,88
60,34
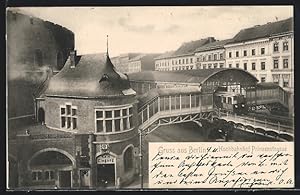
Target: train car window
224,99
229,100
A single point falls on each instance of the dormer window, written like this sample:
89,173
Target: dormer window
68,116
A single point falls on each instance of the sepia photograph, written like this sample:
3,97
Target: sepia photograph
150,97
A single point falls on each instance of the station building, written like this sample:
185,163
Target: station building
88,136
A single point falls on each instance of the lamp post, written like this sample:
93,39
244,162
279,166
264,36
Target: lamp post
141,159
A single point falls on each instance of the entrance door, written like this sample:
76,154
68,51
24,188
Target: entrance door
64,179
106,175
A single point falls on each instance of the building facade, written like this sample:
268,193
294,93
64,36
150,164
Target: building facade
143,62
35,48
183,58
121,62
211,55
88,137
266,51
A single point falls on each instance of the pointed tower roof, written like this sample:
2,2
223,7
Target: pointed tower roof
94,76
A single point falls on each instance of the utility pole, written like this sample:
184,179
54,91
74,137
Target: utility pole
141,159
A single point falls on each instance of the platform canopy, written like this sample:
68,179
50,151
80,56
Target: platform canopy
208,79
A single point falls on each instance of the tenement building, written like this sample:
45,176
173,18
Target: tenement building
35,48
122,64
181,59
266,51
142,62
88,136
211,55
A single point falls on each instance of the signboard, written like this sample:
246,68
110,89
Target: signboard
106,159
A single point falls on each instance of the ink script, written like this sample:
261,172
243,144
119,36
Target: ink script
221,165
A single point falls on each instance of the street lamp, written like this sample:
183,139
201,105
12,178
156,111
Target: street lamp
141,158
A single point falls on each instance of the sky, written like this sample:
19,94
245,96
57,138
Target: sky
154,29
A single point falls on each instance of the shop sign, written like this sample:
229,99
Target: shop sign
105,159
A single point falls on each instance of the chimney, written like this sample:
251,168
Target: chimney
72,58
211,39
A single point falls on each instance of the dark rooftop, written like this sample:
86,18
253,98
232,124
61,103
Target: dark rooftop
213,45
187,76
187,48
266,30
93,76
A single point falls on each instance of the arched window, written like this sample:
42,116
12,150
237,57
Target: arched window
38,57
128,159
41,115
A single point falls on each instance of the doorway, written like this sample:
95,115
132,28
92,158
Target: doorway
64,179
105,175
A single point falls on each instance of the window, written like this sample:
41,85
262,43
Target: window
229,54
221,56
209,57
198,59
285,46
49,175
237,65
68,116
229,100
114,120
187,61
221,65
204,66
215,57
285,63
245,52
253,52
262,51
36,175
215,65
285,78
275,63
128,159
263,79
275,47
245,66
262,65
191,60
276,78
179,61
253,66
209,66
237,54
230,65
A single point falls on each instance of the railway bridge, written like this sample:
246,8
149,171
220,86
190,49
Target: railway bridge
189,96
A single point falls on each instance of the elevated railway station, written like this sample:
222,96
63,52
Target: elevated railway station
89,117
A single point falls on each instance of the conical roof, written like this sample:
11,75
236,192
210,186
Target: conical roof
93,76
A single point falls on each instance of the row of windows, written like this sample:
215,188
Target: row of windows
175,62
183,68
42,175
209,66
263,65
114,120
210,57
285,47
